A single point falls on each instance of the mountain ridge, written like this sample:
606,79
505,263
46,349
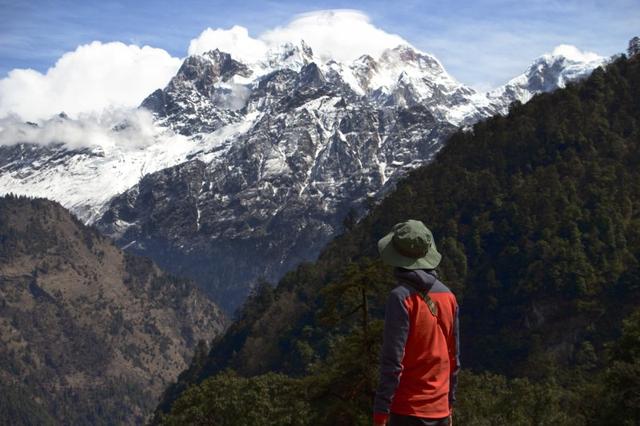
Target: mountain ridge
289,142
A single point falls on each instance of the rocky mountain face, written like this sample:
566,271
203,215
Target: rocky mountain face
316,149
277,154
191,102
89,334
324,141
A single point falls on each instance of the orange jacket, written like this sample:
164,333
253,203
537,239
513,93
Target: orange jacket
420,357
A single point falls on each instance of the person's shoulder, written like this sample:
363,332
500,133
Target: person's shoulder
400,292
398,298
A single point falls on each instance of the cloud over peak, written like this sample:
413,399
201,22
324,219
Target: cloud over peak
236,41
99,76
343,35
574,54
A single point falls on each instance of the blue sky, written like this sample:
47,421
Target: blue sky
481,43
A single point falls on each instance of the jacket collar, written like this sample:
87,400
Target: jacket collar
421,278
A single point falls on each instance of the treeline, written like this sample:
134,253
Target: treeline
537,215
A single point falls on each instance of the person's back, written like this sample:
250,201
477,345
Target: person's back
419,355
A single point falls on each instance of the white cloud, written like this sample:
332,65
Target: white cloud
235,40
98,76
125,145
122,129
93,77
233,96
573,53
343,35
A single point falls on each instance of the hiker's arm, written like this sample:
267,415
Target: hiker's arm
396,330
454,357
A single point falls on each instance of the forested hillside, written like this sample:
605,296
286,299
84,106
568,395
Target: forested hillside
537,215
89,335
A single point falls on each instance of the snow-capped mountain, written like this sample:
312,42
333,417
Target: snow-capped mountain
256,165
547,73
53,160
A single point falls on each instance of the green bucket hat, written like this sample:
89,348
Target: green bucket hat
409,245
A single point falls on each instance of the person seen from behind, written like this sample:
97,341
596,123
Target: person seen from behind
420,351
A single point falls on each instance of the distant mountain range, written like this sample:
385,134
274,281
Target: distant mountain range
254,167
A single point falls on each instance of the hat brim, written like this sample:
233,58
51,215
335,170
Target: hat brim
391,256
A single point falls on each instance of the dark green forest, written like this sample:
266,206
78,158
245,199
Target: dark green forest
537,215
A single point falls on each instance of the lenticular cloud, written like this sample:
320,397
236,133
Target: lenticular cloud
343,35
92,78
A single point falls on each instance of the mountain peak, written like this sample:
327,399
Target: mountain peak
222,65
306,48
565,63
407,54
286,55
546,73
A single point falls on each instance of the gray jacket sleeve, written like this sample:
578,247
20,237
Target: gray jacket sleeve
396,330
453,384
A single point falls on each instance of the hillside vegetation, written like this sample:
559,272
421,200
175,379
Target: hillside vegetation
537,215
88,334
